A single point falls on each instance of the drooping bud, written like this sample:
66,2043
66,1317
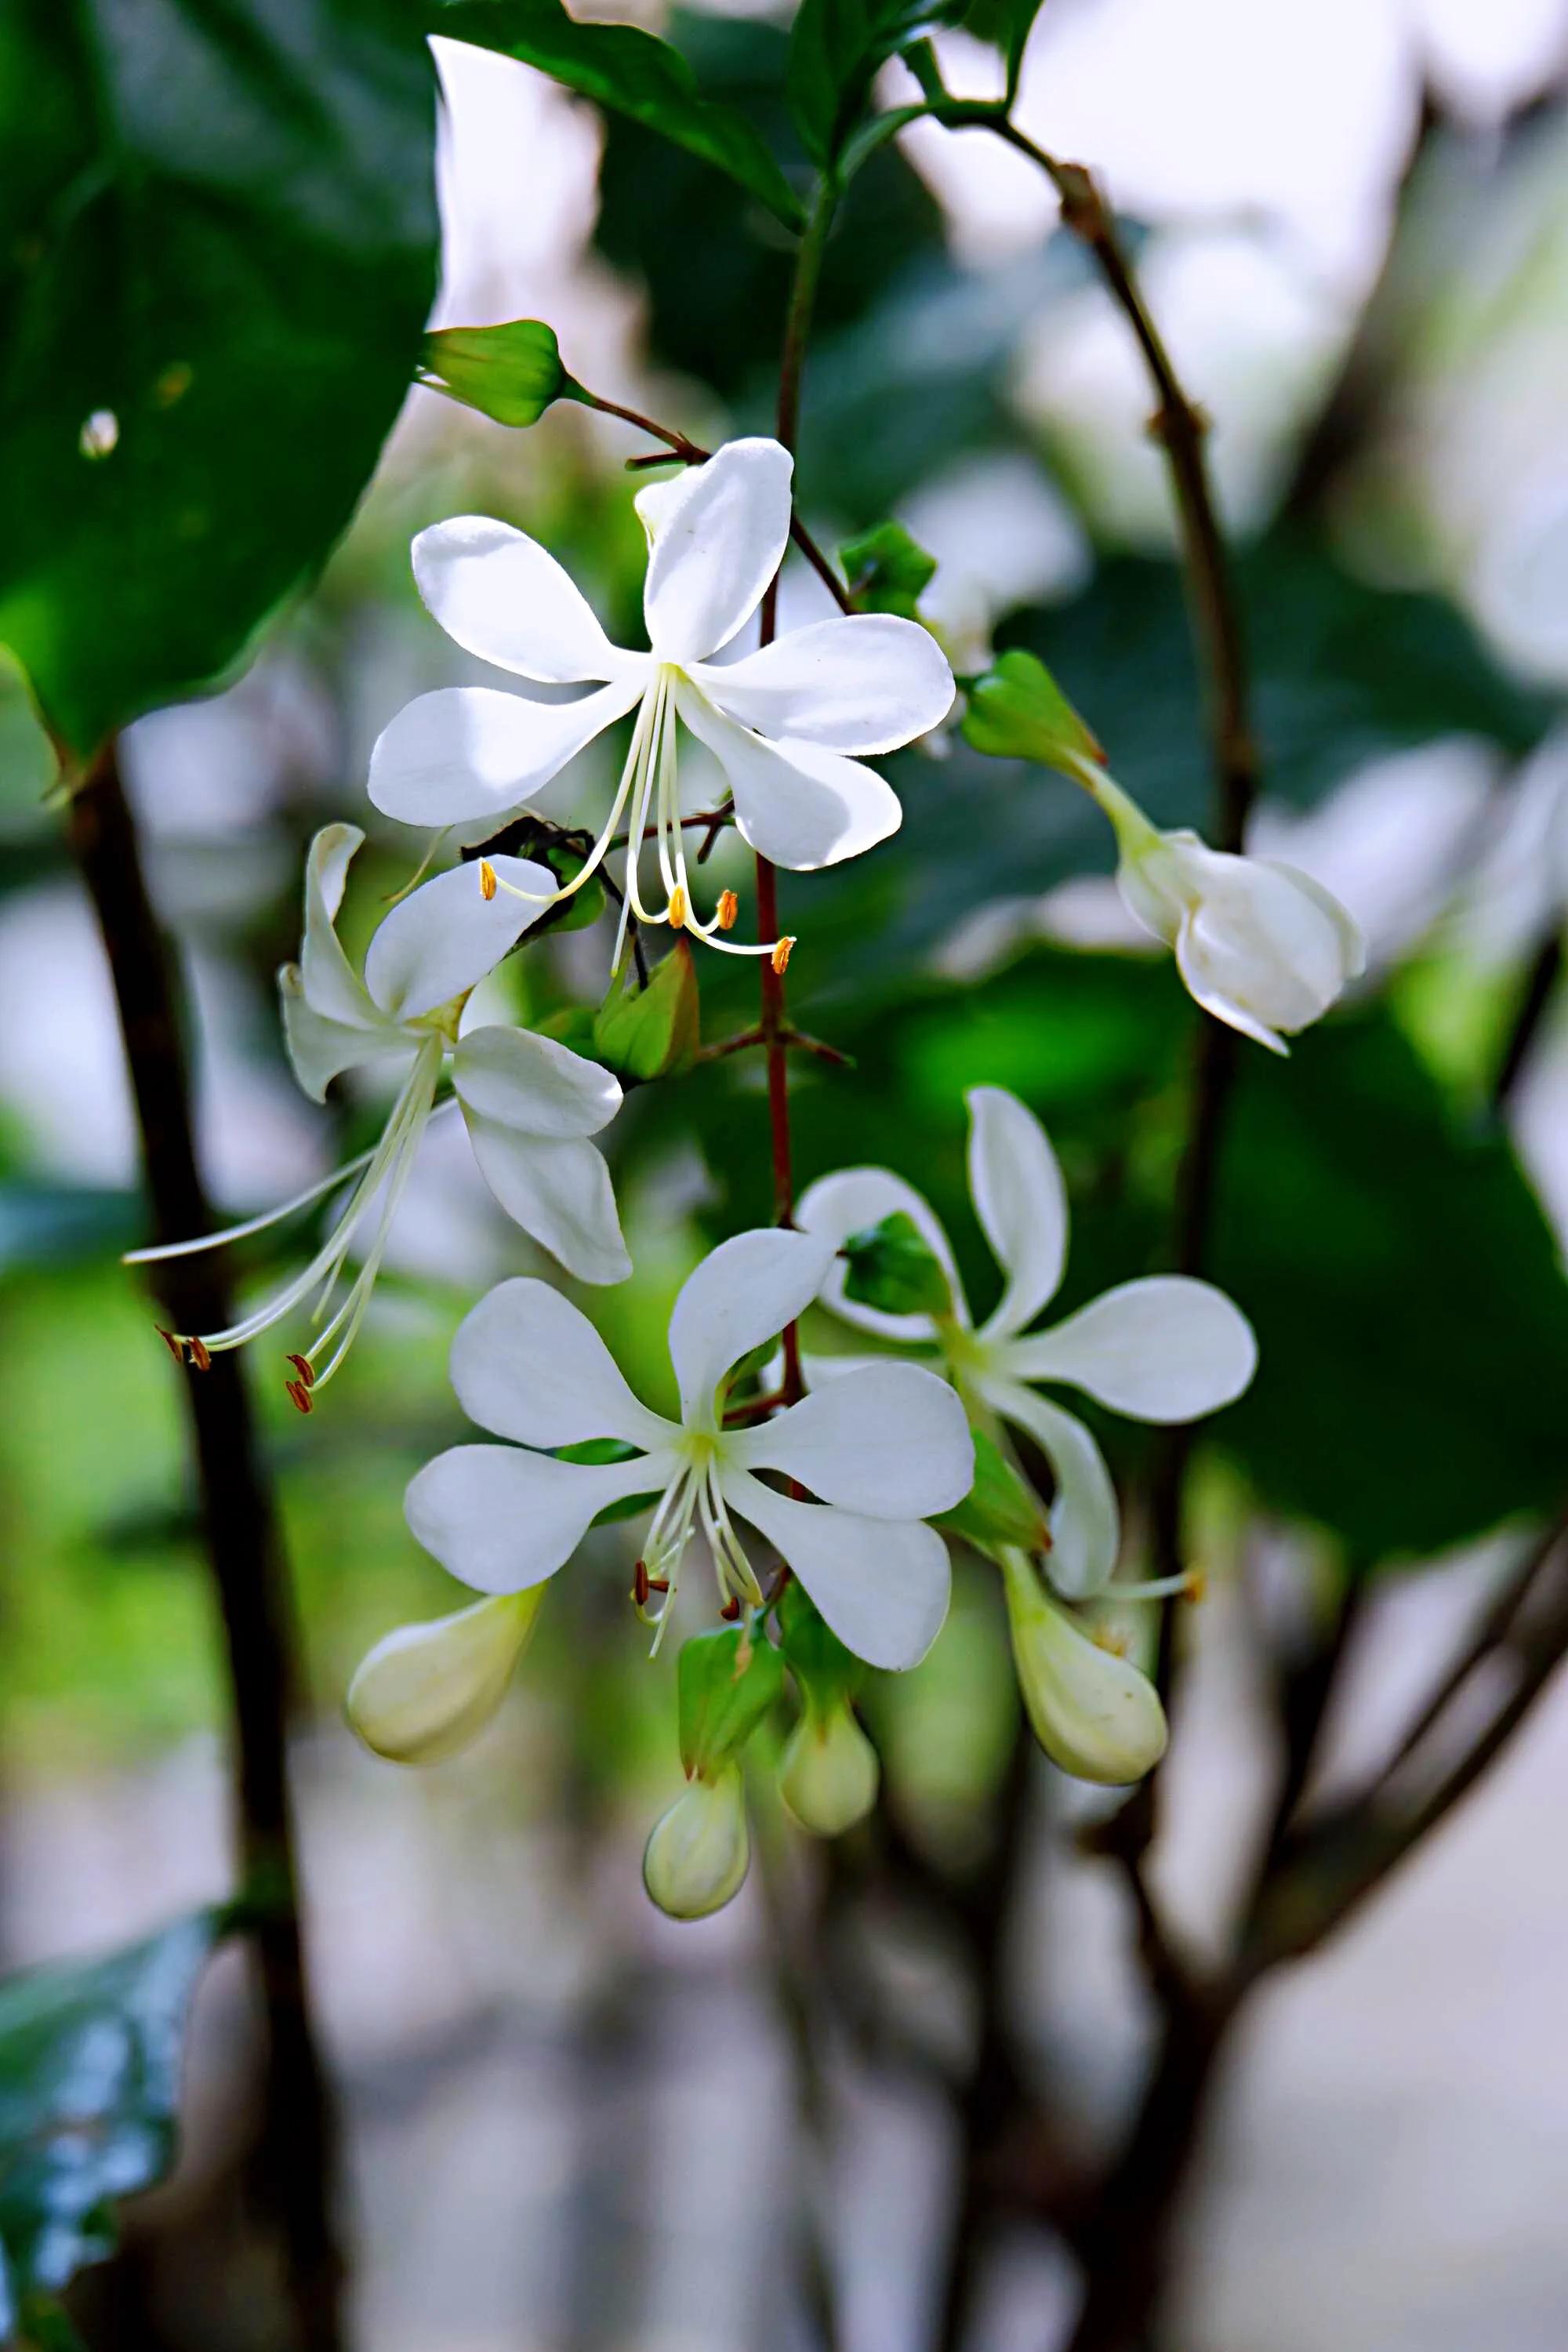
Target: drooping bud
1094,1713
829,1774
892,1267
652,1032
1000,1509
510,372
1017,712
425,1691
697,1854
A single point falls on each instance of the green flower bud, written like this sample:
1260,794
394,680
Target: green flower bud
510,372
892,1267
652,1032
425,1691
699,1853
1092,1712
887,570
1017,712
829,1774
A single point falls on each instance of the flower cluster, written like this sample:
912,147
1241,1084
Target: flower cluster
811,1502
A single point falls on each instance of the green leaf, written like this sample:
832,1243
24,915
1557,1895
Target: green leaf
837,49
512,373
893,1268
999,1508
89,2078
725,1681
1017,712
217,253
652,1032
887,571
623,67
1006,24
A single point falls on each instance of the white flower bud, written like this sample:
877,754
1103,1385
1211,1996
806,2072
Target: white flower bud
425,1691
698,1852
829,1774
1257,944
1092,1712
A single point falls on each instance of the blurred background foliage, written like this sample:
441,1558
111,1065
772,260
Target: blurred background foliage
1386,381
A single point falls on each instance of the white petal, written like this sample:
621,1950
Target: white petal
1165,1348
743,1292
533,1084
502,596
846,1202
1199,980
558,1190
1086,1526
865,682
718,535
529,1365
467,752
799,805
332,988
443,938
500,1520
1351,939
425,1691
881,1584
1021,1201
1094,1713
319,1047
892,1443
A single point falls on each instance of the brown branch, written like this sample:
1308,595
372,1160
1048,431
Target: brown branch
293,2168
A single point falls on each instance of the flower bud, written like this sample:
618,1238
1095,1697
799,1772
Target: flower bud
652,1032
699,1853
425,1691
1094,1714
892,1267
1019,711
829,1774
512,373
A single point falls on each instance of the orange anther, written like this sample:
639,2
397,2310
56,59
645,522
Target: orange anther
677,908
782,956
729,908
488,883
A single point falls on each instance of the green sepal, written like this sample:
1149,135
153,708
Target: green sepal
827,1673
652,1032
887,571
572,1025
1001,1507
512,373
726,1681
892,1267
1017,712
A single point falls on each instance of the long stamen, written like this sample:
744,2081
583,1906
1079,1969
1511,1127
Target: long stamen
257,1224
352,1313
737,1578
631,767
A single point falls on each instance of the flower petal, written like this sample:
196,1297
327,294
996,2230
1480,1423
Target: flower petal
1021,1201
1164,1349
1086,1526
717,534
536,1085
558,1188
499,594
864,682
743,1292
881,1584
500,1520
892,1443
799,805
443,938
467,753
1094,1713
529,1365
1349,932
848,1202
332,986
319,1047
1207,990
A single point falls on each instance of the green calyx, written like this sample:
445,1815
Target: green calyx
893,1267
726,1681
510,372
1017,712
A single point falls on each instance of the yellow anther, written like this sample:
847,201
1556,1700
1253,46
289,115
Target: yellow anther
1197,1584
677,908
488,883
729,908
1108,1638
782,956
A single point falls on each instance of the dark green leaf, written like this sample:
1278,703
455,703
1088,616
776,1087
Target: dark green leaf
512,373
621,67
726,1681
652,1032
1007,25
886,571
892,1267
90,2079
218,237
837,49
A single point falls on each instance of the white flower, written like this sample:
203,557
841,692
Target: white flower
880,1453
1165,1348
781,723
529,1103
1258,943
